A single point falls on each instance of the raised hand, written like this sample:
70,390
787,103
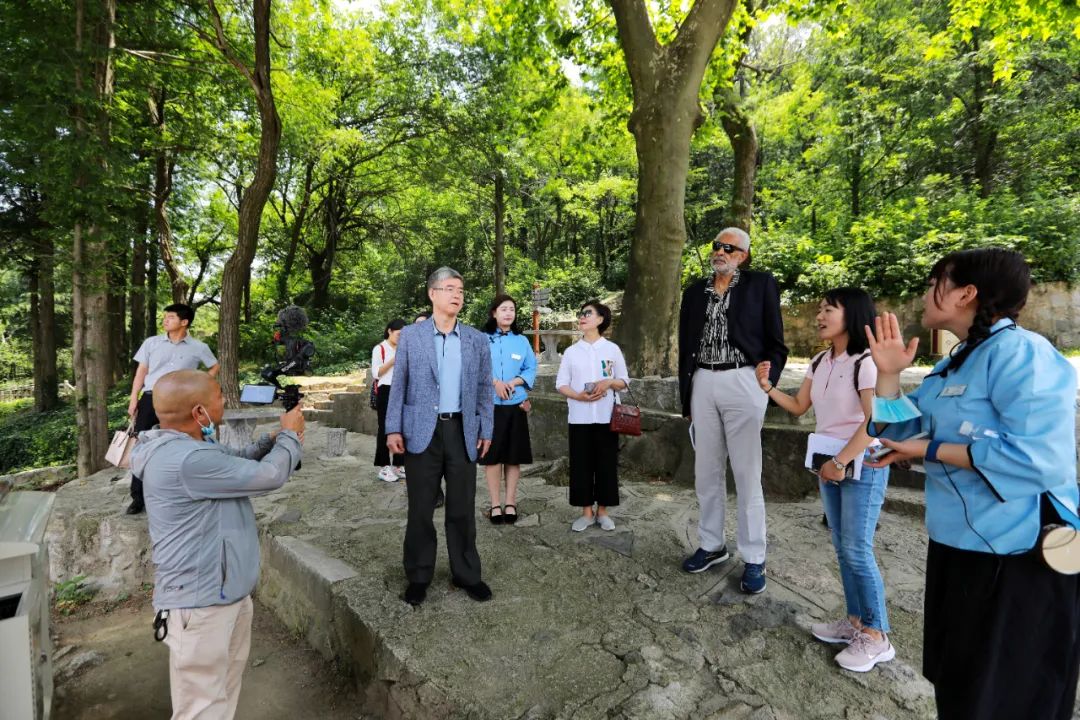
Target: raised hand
891,355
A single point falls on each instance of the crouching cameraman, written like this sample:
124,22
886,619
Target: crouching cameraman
205,542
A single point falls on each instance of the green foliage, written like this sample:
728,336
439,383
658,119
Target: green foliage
69,595
29,440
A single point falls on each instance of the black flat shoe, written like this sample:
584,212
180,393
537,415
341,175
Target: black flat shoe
479,592
135,508
509,518
440,499
415,593
496,519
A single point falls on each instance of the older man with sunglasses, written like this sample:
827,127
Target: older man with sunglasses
728,323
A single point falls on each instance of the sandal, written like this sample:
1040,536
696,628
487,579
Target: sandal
496,519
509,518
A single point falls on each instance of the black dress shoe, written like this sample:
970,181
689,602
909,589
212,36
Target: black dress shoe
479,592
415,593
509,518
440,499
135,508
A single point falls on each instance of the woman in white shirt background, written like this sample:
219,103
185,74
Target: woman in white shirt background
382,372
591,370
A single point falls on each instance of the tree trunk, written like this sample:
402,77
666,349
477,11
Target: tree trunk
984,135
43,324
137,296
666,80
90,351
163,174
254,197
500,233
294,236
744,144
321,264
855,177
150,322
117,303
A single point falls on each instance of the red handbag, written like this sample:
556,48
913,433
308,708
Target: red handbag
626,419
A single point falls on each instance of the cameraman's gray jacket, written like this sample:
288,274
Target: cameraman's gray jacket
202,525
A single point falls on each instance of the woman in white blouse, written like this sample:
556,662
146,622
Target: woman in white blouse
592,369
382,372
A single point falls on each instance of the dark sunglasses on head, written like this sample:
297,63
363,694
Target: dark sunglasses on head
726,247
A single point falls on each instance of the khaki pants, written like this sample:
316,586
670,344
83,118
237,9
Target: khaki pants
208,648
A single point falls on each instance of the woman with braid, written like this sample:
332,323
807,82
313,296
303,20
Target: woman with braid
1001,637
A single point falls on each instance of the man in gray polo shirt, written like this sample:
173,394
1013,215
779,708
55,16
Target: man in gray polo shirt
173,350
205,540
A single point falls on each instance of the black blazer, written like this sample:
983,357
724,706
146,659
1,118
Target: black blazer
754,323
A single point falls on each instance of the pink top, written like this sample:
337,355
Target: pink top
836,404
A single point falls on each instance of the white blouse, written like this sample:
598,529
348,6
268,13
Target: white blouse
378,358
585,362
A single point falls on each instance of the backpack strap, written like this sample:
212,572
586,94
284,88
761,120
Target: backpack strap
858,364
817,360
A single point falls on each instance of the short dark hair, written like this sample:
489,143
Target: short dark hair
603,310
184,312
859,311
1002,280
423,315
491,326
395,324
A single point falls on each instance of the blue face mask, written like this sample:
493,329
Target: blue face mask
895,410
208,431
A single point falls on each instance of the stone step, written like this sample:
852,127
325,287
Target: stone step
905,501
327,404
313,415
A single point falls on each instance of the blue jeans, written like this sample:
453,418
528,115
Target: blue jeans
853,507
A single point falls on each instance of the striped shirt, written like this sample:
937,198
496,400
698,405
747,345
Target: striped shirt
715,345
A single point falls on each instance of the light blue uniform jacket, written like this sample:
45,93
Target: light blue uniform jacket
512,356
1017,386
413,407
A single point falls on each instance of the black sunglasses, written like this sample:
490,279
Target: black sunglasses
726,247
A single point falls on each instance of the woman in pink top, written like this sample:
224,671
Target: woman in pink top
840,385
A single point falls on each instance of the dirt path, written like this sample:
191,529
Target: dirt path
115,670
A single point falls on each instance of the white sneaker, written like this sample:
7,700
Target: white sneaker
838,631
865,652
582,523
387,474
400,472
606,523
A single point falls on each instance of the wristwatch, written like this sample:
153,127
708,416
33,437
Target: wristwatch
839,465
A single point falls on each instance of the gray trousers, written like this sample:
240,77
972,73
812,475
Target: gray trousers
728,409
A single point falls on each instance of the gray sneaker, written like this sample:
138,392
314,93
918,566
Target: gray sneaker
582,523
865,652
606,523
838,631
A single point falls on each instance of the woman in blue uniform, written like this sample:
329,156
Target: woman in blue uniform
1002,629
513,366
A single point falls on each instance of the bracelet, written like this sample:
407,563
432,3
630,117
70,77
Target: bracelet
931,451
772,386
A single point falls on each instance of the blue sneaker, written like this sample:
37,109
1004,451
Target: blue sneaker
702,560
753,578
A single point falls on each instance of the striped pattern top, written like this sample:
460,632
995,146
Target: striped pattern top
716,346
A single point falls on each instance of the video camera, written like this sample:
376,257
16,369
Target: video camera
296,361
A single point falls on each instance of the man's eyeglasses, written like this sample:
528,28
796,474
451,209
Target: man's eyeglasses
452,290
586,313
726,247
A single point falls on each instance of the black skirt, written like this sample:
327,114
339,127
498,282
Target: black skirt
510,444
1001,636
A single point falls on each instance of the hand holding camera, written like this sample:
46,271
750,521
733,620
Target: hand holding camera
294,420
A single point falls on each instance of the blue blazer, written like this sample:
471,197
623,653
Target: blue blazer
413,407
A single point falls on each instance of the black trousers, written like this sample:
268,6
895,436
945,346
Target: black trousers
1001,636
594,465
145,418
444,457
382,453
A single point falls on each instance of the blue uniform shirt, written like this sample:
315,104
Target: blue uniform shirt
511,357
1019,394
448,356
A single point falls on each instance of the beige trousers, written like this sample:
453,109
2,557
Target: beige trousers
208,648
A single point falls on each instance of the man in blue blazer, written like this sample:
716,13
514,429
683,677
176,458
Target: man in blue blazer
440,416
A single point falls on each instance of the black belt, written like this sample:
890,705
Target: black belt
722,366
449,416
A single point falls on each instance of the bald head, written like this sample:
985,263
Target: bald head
184,399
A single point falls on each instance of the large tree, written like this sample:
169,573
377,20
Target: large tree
666,81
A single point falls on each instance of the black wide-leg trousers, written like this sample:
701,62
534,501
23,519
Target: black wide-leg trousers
445,457
145,418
